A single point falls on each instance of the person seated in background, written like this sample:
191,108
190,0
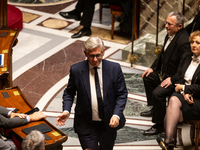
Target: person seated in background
87,8
184,104
34,141
195,24
157,79
9,119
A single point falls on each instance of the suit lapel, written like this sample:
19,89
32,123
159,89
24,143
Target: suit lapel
105,74
85,78
196,17
185,66
106,78
196,73
166,38
170,50
165,41
171,47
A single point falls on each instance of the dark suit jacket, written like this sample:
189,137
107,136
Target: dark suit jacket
168,61
114,95
194,25
6,122
194,88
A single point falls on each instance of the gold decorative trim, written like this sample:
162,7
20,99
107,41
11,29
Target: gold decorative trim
55,133
5,51
12,34
16,93
3,69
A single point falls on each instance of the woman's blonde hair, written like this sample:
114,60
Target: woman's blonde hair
195,33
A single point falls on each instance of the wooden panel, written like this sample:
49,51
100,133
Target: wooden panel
17,100
8,38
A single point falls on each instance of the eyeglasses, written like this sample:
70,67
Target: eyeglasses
169,24
97,56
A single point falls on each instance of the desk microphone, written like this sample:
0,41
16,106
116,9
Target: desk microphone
32,111
161,143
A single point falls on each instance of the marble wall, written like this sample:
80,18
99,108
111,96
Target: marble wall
148,13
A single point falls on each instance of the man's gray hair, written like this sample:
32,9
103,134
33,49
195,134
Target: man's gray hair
33,141
179,17
93,42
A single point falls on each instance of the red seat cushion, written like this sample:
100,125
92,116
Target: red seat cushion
115,7
15,17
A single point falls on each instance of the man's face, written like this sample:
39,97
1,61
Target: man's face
170,25
195,45
94,56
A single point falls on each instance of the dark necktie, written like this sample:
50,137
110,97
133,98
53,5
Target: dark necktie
99,97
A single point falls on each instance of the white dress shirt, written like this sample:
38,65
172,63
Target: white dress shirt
190,71
169,41
94,102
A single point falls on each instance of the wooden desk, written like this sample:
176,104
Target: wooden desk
8,39
17,100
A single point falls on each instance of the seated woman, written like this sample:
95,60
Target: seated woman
184,104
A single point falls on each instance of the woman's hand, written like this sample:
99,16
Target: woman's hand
178,87
188,98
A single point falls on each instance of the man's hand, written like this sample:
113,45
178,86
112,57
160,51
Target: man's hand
165,83
114,122
178,87
147,72
188,98
62,118
12,115
37,116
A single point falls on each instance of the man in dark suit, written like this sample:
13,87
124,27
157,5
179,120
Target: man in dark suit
9,119
156,79
195,24
87,8
94,122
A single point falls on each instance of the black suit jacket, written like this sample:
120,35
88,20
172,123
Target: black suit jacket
194,88
194,25
168,61
114,95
